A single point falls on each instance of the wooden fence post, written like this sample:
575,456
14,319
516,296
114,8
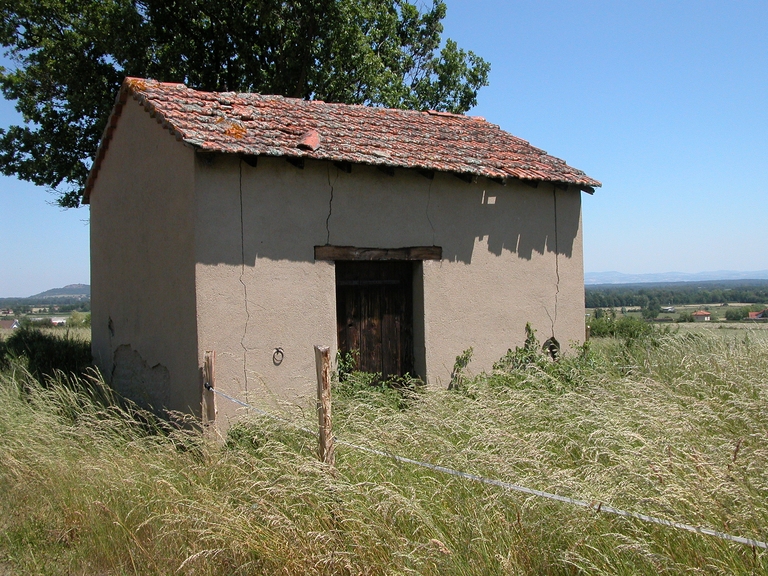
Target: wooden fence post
209,382
323,365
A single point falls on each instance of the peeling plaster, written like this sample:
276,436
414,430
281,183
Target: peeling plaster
133,378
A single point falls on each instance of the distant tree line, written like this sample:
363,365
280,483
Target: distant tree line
64,304
673,294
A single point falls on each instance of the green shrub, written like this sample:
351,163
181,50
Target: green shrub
27,322
651,311
350,382
346,363
528,355
458,376
737,314
627,327
47,353
369,387
79,319
534,365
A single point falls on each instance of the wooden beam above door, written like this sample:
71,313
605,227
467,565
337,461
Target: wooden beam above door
328,252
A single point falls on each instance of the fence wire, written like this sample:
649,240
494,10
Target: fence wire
594,505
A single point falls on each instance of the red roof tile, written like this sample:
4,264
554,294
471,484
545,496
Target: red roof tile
255,124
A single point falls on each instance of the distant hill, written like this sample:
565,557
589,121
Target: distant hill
71,297
592,278
69,291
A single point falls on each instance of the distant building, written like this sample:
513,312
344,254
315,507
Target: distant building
762,315
701,316
9,324
670,309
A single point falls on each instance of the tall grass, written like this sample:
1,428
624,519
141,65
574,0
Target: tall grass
674,426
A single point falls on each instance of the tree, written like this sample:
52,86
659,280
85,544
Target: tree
652,310
737,314
71,56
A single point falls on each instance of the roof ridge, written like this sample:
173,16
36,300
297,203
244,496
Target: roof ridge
141,84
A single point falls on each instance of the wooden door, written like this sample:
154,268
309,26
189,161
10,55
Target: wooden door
374,311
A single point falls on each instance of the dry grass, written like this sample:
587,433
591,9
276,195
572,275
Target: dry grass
674,427
76,333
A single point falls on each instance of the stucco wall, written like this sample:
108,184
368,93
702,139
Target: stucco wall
500,267
504,264
258,285
144,329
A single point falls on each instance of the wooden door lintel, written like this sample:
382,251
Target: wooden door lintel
354,253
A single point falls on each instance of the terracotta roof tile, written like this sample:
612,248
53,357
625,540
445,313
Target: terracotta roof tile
256,124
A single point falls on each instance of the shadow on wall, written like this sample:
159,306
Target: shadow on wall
132,377
519,219
282,212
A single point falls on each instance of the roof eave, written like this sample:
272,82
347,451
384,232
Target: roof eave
135,87
131,88
584,184
106,136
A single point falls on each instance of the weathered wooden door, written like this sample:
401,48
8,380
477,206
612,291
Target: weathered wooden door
374,310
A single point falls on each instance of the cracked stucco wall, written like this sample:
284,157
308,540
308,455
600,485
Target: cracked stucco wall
259,287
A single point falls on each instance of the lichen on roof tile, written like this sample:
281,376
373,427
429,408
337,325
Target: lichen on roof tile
256,124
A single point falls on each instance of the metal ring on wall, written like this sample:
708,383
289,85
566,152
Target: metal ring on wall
277,356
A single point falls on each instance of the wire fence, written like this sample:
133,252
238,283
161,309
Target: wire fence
594,505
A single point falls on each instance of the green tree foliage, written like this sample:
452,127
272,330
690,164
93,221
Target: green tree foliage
627,327
599,313
652,310
736,314
46,353
71,56
710,292
533,366
79,320
685,317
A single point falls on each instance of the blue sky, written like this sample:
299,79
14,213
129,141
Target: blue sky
666,103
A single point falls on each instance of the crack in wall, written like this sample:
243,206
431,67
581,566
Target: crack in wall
242,281
553,320
330,206
429,198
